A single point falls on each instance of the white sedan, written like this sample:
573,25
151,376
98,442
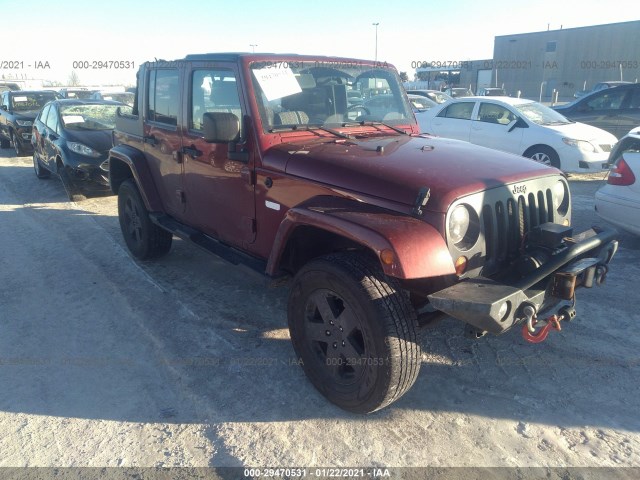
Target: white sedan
618,202
524,127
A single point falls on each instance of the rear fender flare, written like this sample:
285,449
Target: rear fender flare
136,162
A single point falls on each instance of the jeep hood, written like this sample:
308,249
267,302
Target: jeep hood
396,168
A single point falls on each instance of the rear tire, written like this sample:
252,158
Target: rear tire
355,331
144,239
543,154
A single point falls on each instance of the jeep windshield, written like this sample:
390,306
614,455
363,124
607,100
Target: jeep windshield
25,102
303,94
91,117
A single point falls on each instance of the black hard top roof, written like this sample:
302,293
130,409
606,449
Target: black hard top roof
80,101
235,56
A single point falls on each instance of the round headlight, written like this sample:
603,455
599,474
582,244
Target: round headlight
463,229
561,197
458,224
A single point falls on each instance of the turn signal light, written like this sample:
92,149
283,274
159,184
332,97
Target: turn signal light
461,265
387,256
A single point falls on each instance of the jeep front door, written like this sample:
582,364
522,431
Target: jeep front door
218,184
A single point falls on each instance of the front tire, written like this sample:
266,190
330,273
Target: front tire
16,145
355,331
144,239
70,188
38,168
543,154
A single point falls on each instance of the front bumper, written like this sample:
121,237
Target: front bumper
88,174
494,307
575,160
24,135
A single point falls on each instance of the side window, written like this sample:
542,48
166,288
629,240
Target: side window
635,98
610,99
52,120
462,110
5,100
213,91
492,113
164,97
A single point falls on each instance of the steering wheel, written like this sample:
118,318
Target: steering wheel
355,108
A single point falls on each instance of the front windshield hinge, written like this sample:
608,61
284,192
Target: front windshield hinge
421,201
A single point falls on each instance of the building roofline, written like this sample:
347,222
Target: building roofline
570,28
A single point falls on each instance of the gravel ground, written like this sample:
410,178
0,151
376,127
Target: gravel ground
186,361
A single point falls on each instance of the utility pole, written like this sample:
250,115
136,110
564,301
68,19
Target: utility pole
376,25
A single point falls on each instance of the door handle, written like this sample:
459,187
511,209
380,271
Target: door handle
192,151
151,140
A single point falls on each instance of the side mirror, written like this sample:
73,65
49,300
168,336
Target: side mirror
518,123
220,127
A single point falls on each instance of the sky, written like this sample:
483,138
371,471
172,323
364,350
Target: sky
54,35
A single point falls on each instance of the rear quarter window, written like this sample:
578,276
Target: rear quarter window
462,110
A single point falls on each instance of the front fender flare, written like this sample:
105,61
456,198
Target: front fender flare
419,250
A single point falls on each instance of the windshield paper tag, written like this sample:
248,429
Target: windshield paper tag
277,83
67,119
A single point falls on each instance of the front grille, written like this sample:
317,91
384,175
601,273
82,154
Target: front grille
504,216
507,223
606,148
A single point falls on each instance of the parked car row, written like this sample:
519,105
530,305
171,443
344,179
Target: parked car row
72,138
523,127
18,110
68,136
435,95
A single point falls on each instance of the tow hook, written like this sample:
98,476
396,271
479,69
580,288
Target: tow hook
533,334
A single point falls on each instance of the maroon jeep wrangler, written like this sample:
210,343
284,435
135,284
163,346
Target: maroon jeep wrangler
314,167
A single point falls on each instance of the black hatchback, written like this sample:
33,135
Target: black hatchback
72,138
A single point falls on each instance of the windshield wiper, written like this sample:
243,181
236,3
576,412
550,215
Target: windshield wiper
330,130
374,124
309,128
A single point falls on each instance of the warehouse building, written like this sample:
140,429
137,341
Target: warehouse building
566,60
563,61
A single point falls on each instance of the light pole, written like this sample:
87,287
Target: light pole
253,47
376,25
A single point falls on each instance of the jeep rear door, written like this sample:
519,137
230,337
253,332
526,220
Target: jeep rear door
162,141
219,190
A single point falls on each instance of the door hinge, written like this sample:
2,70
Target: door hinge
248,175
